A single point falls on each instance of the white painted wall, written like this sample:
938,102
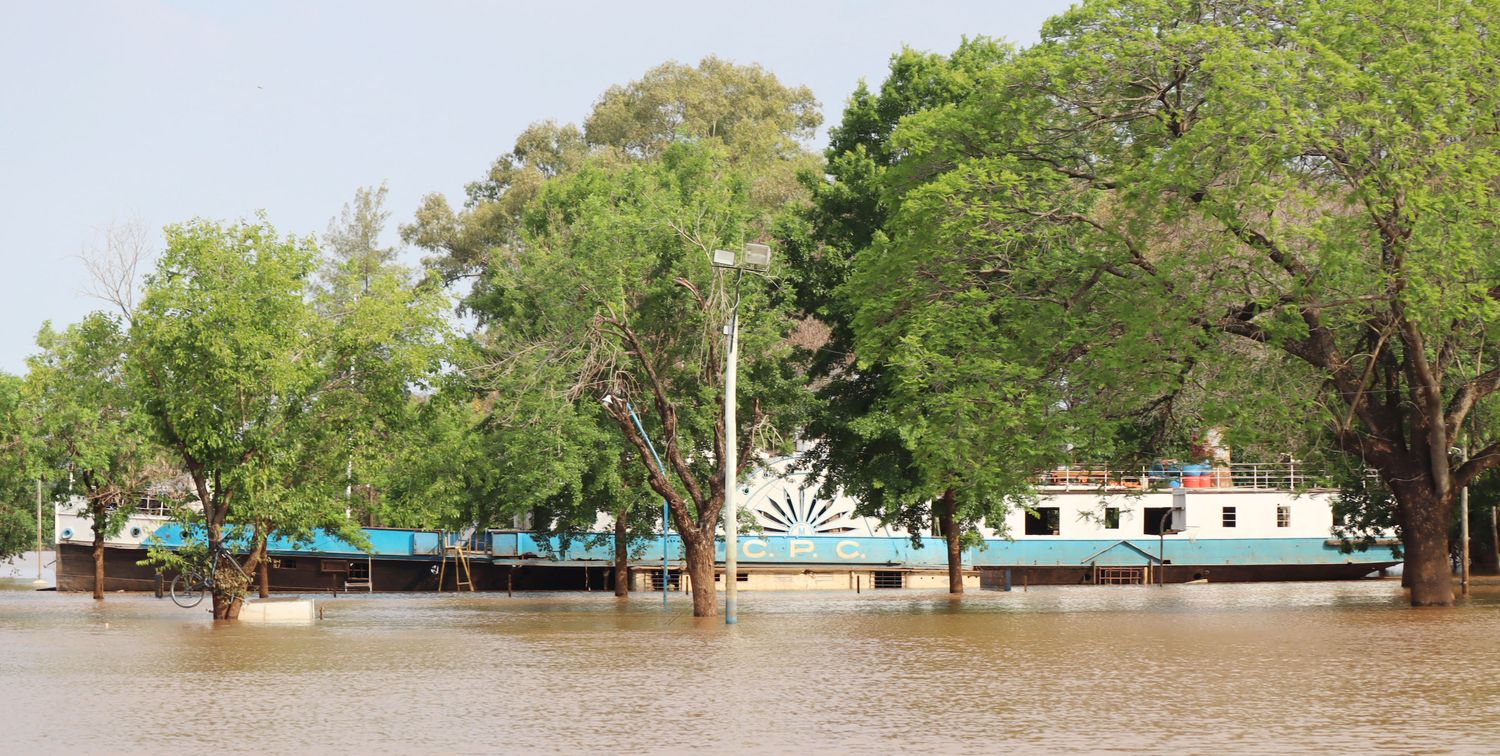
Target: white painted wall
1082,515
72,526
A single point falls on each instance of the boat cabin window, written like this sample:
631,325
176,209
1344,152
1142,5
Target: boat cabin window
150,505
1044,521
1111,518
1155,519
1283,516
1228,517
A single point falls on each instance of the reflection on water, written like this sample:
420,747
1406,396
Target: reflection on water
1316,666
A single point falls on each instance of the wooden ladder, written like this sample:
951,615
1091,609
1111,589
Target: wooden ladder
462,577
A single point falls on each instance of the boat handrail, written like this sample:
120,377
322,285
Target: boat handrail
1237,476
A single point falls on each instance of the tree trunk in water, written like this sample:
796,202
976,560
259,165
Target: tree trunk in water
230,584
258,561
226,606
98,552
1427,564
622,556
947,510
700,569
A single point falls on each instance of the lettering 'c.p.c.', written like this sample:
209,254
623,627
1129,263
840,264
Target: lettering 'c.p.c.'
754,549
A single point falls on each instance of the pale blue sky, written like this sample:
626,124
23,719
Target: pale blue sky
157,112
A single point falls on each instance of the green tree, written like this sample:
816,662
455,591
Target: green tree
616,297
87,425
743,107
352,246
1312,184
387,336
17,520
880,433
465,244
437,471
761,121
755,122
226,361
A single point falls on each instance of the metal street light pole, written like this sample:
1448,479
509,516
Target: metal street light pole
731,475
39,580
1179,504
756,257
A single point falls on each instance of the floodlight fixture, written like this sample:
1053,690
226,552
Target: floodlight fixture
757,256
723,258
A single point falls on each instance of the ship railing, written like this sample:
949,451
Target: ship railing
477,542
1237,476
148,506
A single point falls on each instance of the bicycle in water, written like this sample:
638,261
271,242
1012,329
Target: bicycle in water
193,583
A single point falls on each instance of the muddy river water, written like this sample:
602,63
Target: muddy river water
1328,667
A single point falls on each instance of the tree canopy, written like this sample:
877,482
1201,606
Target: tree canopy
17,520
261,397
896,424
1305,188
616,298
88,426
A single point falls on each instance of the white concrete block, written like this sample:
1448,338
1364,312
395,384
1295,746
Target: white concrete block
297,611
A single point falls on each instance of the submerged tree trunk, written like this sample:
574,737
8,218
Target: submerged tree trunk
227,607
1428,569
230,583
99,515
947,508
700,570
622,555
262,565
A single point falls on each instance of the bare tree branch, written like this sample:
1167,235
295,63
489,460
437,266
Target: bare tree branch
114,267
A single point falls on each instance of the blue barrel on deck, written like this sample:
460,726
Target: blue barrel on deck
1196,476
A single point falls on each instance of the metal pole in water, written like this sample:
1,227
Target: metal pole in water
1161,550
731,450
39,580
755,257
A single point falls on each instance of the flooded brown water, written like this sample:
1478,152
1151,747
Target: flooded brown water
1327,667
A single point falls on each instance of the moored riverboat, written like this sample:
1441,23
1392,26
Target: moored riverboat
1089,525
